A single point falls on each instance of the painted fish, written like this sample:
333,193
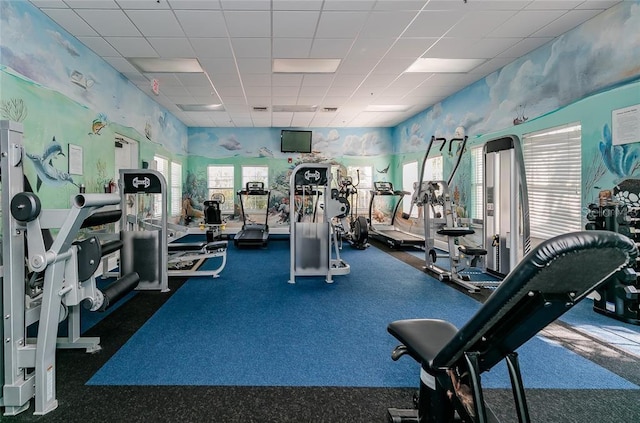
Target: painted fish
265,152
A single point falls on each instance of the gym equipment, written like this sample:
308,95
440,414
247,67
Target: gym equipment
57,278
311,242
144,229
351,227
441,218
506,205
253,234
618,212
547,283
390,234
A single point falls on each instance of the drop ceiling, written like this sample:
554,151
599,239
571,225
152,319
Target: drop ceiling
236,42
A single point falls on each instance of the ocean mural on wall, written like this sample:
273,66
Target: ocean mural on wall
599,55
64,94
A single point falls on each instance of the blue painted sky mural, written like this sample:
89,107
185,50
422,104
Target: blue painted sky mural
38,50
265,142
597,55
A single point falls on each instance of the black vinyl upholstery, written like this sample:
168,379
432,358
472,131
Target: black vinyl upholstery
547,282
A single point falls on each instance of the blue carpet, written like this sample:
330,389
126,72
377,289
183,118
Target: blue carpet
250,327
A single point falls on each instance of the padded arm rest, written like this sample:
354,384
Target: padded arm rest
186,246
471,251
216,245
459,231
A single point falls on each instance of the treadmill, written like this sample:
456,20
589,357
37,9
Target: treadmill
253,234
390,234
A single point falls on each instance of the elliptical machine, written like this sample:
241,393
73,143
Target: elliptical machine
352,228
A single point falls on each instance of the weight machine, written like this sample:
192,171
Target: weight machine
441,218
312,242
57,278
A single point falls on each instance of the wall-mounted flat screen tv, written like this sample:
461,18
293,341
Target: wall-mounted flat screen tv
292,141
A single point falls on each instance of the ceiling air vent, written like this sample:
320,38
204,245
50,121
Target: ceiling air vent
330,109
260,108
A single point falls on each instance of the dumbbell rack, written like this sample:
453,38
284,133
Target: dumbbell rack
619,298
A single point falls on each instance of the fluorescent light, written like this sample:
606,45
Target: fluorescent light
201,107
305,65
444,65
157,65
294,108
387,108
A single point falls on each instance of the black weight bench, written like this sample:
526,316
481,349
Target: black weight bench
549,281
187,259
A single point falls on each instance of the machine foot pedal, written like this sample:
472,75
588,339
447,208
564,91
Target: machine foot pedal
399,415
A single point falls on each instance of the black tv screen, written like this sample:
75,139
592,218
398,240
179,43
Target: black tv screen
295,141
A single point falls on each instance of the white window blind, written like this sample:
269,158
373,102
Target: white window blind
553,162
477,182
162,166
176,188
220,181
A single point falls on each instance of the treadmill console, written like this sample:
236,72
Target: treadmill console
255,186
383,187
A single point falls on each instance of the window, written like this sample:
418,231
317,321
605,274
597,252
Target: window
410,174
477,183
220,180
553,164
363,174
409,177
176,188
255,174
162,166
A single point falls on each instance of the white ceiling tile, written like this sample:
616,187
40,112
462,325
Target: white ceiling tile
348,4
478,24
166,79
525,23
251,47
194,4
109,22
386,24
211,47
254,65
288,24
121,64
492,65
487,48
356,66
311,91
411,47
285,91
286,80
317,80
52,4
172,47
99,46
413,5
132,46
393,66
524,47
253,91
432,23
477,5
234,100
291,48
140,4
248,23
245,4
156,23
257,80
202,23
228,79
566,23
340,24
598,4
92,4
330,48
282,100
370,47
70,21
237,108
219,66
173,91
553,4
194,80
296,4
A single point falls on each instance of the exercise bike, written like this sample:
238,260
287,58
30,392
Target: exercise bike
351,227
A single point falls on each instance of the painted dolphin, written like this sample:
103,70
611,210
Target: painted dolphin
44,166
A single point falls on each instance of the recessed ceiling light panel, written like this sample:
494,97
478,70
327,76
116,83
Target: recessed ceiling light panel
435,65
158,65
387,108
201,107
305,65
